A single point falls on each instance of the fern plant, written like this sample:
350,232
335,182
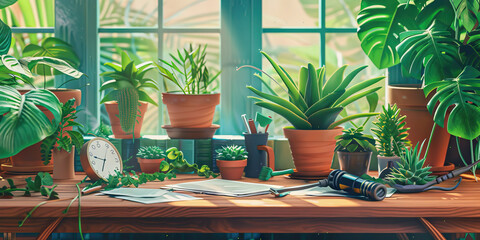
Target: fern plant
128,88
65,139
391,132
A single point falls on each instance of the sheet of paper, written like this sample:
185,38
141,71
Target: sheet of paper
225,187
168,197
328,192
136,192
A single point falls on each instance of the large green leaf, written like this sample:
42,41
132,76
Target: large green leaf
436,51
440,11
470,52
6,3
22,123
34,63
380,23
54,48
461,93
466,10
5,38
297,121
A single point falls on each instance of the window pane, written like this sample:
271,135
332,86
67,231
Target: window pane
141,47
341,13
30,13
291,51
132,13
344,48
172,42
290,13
191,13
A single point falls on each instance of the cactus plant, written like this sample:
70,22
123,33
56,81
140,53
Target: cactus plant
391,132
231,153
151,152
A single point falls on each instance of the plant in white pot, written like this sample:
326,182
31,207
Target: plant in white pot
192,107
391,136
313,107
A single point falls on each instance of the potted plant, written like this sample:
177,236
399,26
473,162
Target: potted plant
433,41
63,143
192,107
391,136
312,107
150,158
354,150
126,104
23,123
231,160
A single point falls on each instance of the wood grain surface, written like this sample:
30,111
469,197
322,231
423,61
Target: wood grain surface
455,211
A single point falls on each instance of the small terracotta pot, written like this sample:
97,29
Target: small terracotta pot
64,167
312,150
112,110
29,159
149,165
356,163
413,104
191,110
231,170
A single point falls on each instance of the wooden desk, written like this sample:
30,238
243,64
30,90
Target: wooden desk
451,212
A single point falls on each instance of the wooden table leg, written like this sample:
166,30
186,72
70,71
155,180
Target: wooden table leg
437,235
9,236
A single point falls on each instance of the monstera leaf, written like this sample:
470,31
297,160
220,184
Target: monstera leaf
436,51
466,10
470,52
54,48
440,11
5,37
379,24
22,123
461,93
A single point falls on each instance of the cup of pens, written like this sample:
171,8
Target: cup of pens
256,137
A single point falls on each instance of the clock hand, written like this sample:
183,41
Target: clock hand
103,166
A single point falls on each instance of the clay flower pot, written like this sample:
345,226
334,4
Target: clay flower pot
356,163
112,110
231,170
413,104
64,167
191,110
312,150
149,165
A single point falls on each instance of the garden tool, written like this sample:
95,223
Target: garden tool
263,121
429,186
341,180
267,173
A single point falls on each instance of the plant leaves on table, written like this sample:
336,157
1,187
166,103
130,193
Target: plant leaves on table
461,93
379,24
23,123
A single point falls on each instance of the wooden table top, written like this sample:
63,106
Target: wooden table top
462,202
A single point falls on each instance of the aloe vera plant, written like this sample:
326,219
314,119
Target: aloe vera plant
315,102
128,88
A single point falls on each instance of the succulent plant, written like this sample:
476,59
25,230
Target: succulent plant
410,171
151,152
353,140
231,153
391,132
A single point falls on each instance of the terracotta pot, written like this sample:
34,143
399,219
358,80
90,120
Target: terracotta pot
29,159
112,110
312,150
413,104
356,163
191,110
231,170
64,167
149,165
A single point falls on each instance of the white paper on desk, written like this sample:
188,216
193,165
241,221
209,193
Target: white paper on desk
136,192
168,197
224,187
328,192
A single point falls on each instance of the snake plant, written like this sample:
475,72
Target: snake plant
128,88
315,102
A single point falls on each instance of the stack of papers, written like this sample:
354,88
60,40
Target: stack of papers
147,196
224,187
328,192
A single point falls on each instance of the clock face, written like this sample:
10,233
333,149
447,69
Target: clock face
103,159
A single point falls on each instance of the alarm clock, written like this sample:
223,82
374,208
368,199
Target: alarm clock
100,159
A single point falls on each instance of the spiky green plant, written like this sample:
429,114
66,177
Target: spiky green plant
391,132
410,170
128,85
315,102
353,140
151,152
231,153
